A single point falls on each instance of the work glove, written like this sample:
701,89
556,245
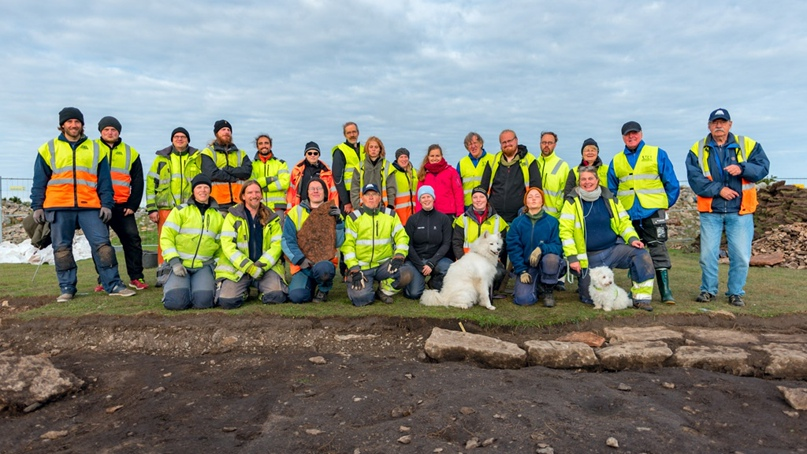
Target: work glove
255,271
39,216
306,264
259,264
535,257
395,263
357,279
179,269
525,278
270,180
105,214
334,211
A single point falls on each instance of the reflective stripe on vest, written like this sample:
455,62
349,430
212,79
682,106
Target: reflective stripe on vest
351,162
553,198
748,204
642,182
466,244
74,178
472,176
120,173
226,192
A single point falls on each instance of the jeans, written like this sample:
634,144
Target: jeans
232,294
389,283
63,229
621,256
550,268
414,290
304,282
739,233
129,235
195,290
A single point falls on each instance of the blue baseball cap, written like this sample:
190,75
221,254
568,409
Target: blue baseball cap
719,114
369,187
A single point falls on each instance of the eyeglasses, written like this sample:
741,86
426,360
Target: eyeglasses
312,153
547,143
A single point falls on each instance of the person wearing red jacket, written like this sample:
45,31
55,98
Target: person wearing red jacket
437,173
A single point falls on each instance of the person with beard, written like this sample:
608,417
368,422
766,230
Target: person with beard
591,158
190,244
507,177
374,169
479,217
554,172
168,184
429,234
250,252
309,168
346,157
306,275
375,248
72,188
226,165
643,178
272,174
406,181
471,167
126,171
596,231
435,172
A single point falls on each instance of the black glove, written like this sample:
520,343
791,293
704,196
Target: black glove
357,279
105,214
395,264
259,264
39,216
335,212
306,263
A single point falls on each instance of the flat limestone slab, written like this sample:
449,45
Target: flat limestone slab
786,360
560,355
786,338
619,335
721,336
447,345
29,380
634,355
796,397
733,360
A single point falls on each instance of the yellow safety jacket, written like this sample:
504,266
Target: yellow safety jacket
121,158
351,162
234,255
191,237
472,176
554,173
372,238
407,184
226,192
168,183
642,182
472,229
273,176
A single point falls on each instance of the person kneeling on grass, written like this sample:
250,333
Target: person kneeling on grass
375,247
190,242
594,229
533,244
250,252
308,274
429,234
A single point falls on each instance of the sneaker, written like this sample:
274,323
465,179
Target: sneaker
99,288
643,305
736,300
499,296
122,291
138,284
386,299
64,297
320,297
706,297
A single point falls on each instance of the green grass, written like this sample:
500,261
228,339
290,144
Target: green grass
771,292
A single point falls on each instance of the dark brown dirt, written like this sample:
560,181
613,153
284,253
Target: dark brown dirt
184,385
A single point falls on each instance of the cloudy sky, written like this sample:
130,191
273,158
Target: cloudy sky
410,72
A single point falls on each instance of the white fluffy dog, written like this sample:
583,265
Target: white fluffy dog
468,280
605,293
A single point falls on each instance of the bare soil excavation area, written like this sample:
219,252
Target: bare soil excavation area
182,389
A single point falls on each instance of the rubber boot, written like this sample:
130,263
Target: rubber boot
549,299
663,282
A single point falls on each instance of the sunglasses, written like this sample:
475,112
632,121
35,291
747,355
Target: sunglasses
312,153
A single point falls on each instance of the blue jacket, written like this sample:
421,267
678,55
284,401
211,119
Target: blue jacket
43,172
754,169
524,236
666,172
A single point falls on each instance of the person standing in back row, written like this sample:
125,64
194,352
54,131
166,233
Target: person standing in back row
345,158
722,169
226,165
644,181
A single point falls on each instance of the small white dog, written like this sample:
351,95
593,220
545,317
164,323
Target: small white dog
469,279
605,293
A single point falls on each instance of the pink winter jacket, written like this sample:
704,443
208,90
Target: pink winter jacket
449,196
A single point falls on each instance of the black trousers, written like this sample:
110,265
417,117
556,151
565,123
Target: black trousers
129,235
653,233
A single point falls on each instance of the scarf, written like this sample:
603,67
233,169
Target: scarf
436,167
589,196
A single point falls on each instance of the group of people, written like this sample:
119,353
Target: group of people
228,222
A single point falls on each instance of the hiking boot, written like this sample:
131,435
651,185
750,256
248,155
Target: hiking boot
320,297
549,299
99,288
643,305
560,287
736,300
386,299
138,284
706,297
121,290
64,297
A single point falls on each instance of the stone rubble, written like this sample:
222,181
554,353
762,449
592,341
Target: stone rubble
29,381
